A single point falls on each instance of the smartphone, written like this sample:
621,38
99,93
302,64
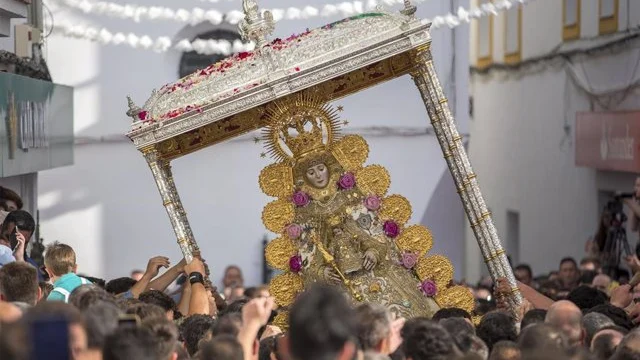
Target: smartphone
128,321
13,238
50,339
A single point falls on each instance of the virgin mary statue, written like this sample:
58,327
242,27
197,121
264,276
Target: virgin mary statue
337,224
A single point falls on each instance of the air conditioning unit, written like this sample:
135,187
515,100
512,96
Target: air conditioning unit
25,36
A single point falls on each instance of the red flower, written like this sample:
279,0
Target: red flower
297,68
142,115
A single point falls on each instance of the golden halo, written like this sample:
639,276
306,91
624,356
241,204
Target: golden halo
437,268
416,239
279,251
373,179
397,208
278,214
276,180
351,151
285,288
456,297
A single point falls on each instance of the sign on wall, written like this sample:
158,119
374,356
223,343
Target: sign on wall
608,140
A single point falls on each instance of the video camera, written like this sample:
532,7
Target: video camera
616,209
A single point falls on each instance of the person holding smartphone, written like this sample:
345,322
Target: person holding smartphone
19,227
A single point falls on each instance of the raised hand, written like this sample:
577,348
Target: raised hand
155,264
395,337
196,265
19,251
257,311
621,296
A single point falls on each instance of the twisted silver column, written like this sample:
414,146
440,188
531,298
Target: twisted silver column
161,170
426,79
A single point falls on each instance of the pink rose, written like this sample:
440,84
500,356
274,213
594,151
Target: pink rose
294,231
409,260
295,263
300,199
372,202
347,181
391,229
428,288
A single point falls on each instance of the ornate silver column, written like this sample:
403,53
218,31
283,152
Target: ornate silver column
425,78
161,170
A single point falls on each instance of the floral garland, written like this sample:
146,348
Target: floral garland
224,65
220,67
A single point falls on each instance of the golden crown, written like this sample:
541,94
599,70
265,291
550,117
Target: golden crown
300,125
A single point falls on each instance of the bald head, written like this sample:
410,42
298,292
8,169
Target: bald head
607,337
629,347
601,282
566,317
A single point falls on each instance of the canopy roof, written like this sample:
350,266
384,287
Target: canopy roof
224,100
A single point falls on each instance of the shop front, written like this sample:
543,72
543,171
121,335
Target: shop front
609,143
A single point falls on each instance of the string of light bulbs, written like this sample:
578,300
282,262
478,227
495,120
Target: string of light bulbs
197,15
224,47
160,44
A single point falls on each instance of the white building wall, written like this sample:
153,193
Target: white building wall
107,206
522,151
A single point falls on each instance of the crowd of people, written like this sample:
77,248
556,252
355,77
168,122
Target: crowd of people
48,310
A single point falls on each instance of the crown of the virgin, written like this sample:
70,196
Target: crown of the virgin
299,125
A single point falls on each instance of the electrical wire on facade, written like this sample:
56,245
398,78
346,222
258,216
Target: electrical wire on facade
558,58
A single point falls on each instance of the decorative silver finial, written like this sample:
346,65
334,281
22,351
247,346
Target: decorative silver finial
255,26
409,9
134,110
